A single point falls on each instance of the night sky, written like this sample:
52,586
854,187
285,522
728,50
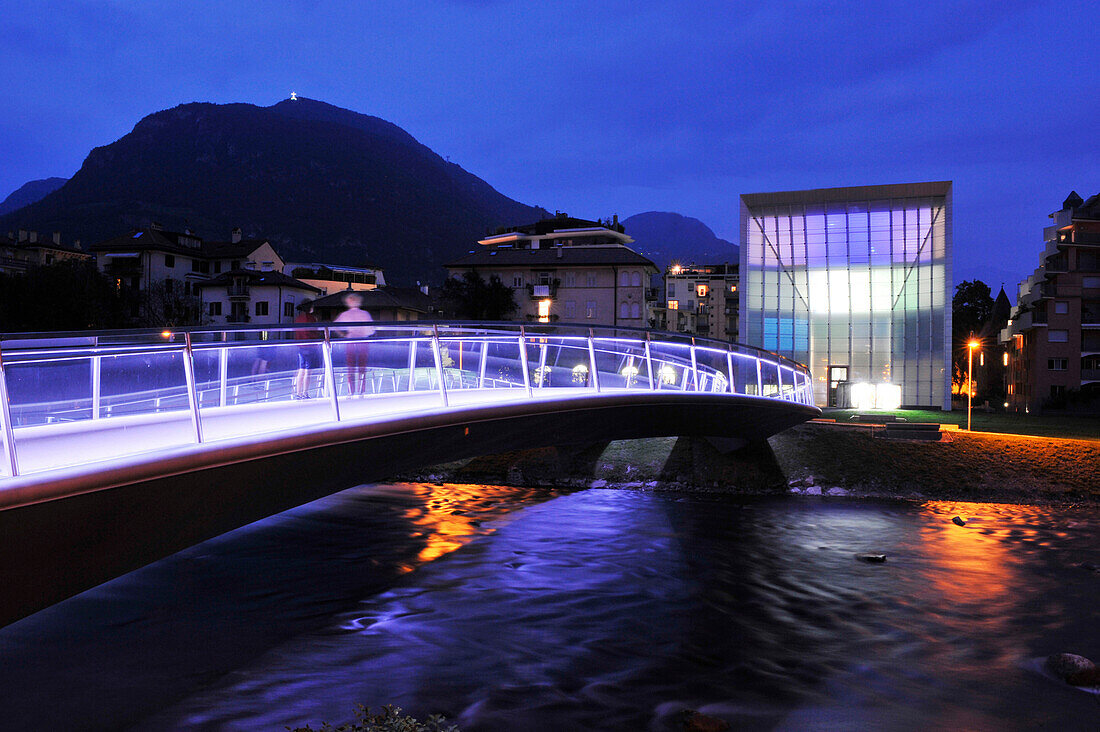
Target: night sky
598,108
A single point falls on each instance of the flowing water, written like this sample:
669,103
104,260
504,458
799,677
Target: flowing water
525,609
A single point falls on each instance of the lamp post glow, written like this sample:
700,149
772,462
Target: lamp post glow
970,378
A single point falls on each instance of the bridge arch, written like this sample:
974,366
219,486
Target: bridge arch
123,447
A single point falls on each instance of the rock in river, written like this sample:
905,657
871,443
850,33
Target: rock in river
1073,669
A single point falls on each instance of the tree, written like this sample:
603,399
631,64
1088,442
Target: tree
971,308
67,295
471,298
164,305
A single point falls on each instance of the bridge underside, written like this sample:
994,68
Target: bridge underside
62,533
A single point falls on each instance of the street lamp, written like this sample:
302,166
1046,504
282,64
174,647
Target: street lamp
974,343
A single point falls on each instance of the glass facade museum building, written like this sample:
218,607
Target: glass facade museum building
855,283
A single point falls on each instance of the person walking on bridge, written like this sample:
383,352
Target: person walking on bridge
355,350
307,352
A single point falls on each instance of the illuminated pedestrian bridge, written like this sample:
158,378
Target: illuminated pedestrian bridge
162,439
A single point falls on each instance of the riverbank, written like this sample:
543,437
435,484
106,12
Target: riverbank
812,458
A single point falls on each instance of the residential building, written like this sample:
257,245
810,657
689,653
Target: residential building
332,278
19,251
152,255
1053,337
854,282
567,269
252,296
383,303
703,300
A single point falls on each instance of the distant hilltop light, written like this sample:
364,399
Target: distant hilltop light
294,96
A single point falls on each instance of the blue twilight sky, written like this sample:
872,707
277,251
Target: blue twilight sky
602,107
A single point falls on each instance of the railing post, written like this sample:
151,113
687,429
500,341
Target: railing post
192,392
481,366
729,369
330,376
412,361
649,362
439,365
694,366
9,433
96,381
542,364
779,379
523,360
759,379
592,357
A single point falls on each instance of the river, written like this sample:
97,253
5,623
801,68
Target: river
528,609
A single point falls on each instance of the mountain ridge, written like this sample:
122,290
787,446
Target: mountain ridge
321,182
30,192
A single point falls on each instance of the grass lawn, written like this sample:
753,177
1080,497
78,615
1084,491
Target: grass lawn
1046,425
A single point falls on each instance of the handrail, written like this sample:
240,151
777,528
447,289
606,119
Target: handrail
135,374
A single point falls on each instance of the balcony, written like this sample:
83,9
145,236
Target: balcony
237,318
544,290
237,292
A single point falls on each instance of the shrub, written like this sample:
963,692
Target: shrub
388,720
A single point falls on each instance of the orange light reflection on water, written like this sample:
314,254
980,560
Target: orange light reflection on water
974,566
449,515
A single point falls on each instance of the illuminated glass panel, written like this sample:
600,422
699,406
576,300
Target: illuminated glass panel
857,282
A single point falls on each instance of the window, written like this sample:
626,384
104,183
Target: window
267,266
590,279
701,289
544,311
570,279
673,304
544,278
169,260
636,279
624,279
1091,282
215,308
570,308
288,310
261,308
517,280
1061,307
235,264
635,310
1057,364
590,309
624,310
217,267
1058,336
1057,391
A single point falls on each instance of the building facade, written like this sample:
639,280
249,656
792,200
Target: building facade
703,300
20,251
1053,337
330,278
568,270
853,282
236,281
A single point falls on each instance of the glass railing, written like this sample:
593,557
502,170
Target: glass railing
75,398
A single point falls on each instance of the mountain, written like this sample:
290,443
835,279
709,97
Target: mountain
320,182
666,237
28,193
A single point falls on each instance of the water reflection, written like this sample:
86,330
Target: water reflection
598,609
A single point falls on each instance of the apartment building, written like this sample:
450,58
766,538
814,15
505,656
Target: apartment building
703,300
567,269
1052,340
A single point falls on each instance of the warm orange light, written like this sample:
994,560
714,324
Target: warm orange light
166,334
974,344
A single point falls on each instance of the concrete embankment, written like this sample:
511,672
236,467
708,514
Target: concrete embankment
853,461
